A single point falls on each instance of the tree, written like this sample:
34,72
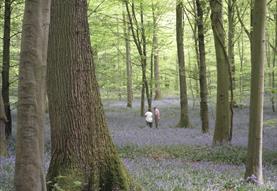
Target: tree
128,60
184,117
156,55
202,68
254,153
3,119
6,66
223,118
139,37
29,171
82,149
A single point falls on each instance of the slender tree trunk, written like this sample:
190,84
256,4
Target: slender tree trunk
231,59
139,36
142,99
231,43
82,149
273,63
3,119
128,61
223,118
241,57
144,58
29,171
254,153
190,86
202,69
184,116
6,67
177,75
158,94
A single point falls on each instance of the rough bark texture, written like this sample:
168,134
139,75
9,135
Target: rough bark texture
202,69
82,149
29,171
223,118
128,61
231,59
254,153
6,67
231,38
3,119
184,117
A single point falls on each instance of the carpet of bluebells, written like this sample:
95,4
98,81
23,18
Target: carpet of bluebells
176,159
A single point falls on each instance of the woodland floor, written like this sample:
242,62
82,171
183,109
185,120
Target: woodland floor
175,159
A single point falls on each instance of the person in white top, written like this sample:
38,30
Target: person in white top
149,118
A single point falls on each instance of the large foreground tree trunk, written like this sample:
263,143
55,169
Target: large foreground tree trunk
202,69
184,117
254,153
82,149
6,67
29,171
223,118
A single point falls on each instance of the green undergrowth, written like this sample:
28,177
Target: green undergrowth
195,168
219,154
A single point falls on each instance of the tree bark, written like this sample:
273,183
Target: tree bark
223,118
184,116
29,171
3,119
6,67
156,60
231,43
273,63
128,61
82,149
255,139
202,69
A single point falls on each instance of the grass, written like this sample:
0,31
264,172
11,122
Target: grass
193,168
182,168
224,154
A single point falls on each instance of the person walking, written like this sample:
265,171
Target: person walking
149,118
157,116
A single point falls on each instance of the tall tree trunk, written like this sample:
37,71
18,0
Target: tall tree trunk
29,171
158,94
128,61
142,99
82,149
273,63
144,58
184,116
241,58
231,43
254,153
231,59
139,36
223,118
6,67
3,119
202,69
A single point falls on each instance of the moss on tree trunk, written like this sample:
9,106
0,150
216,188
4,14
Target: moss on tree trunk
82,150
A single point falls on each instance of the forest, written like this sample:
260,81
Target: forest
138,95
